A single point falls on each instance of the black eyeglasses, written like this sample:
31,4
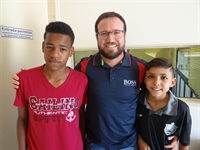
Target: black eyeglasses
116,34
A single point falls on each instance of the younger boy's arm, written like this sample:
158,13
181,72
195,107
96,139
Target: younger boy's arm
22,126
142,144
181,147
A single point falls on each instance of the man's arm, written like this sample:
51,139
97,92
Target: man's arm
22,126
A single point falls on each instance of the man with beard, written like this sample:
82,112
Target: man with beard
115,79
114,82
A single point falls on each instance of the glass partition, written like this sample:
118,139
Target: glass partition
185,61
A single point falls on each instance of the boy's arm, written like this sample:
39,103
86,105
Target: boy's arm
142,144
22,126
181,147
82,122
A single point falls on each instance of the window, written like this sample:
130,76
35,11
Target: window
185,60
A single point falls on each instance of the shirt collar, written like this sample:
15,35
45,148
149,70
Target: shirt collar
97,61
170,109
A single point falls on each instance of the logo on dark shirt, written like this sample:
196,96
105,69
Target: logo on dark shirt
130,82
170,128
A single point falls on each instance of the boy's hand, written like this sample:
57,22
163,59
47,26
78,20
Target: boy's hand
174,145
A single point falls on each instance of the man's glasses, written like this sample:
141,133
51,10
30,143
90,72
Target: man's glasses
116,34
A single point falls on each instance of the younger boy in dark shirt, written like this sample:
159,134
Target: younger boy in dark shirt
161,114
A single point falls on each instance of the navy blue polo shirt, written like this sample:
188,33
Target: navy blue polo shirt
112,100
173,119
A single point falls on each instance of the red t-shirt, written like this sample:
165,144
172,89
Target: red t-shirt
53,112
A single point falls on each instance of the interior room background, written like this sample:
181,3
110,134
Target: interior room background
154,29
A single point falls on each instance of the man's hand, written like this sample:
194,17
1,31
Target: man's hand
174,145
14,80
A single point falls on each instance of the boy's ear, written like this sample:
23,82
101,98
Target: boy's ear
173,82
71,51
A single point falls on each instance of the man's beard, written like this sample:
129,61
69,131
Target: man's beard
111,55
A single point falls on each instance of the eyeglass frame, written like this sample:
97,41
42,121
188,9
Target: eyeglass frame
99,34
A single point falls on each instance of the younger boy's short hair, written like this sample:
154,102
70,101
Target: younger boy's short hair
60,27
160,62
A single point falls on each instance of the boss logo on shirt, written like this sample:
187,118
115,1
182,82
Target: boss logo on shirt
130,82
170,128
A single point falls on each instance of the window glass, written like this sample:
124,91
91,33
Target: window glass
185,60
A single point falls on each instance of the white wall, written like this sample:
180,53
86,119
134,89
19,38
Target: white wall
194,105
16,53
149,22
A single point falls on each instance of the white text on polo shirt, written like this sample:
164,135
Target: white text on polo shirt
130,82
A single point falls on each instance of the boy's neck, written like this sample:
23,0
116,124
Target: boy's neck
56,78
157,103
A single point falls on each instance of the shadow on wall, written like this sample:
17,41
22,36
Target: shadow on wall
195,144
